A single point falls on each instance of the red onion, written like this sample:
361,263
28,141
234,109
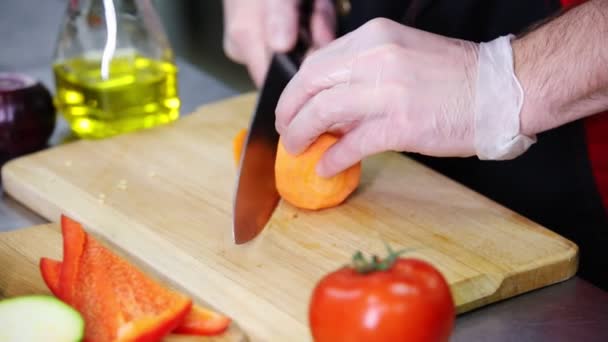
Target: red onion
27,116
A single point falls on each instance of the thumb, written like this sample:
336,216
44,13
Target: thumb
281,23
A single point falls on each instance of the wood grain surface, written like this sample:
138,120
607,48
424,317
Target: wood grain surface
21,250
164,197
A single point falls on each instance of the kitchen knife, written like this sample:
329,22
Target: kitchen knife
256,196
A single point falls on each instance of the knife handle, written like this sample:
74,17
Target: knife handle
304,40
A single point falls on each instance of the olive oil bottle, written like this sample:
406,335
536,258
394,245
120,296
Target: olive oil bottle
138,93
114,70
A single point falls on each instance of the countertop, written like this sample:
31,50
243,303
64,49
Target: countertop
572,310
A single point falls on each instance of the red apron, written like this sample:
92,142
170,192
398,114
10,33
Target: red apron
596,128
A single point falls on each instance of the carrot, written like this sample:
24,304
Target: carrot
237,145
298,183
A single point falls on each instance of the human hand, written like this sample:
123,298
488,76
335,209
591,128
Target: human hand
254,29
390,87
382,87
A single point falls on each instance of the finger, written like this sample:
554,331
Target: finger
312,78
281,24
323,23
251,51
258,61
334,64
330,110
228,46
351,148
244,41
336,47
237,31
231,44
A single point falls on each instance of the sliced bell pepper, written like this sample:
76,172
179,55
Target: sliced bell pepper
51,271
94,298
199,321
204,322
73,245
119,302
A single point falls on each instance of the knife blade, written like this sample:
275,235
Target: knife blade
256,197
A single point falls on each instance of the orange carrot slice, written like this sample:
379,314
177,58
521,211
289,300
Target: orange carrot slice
299,184
237,145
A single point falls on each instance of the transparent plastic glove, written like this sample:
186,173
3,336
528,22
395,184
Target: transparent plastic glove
386,87
254,29
498,101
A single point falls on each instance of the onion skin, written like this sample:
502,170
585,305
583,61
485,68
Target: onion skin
27,116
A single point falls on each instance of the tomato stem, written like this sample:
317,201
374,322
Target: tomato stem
363,266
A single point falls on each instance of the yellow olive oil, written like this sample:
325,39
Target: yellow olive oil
127,94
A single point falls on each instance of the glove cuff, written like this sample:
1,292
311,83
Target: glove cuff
498,102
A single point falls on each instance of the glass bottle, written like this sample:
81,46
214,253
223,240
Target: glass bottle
114,68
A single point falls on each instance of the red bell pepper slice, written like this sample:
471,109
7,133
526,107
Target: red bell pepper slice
199,321
51,271
150,310
118,301
73,246
204,322
94,297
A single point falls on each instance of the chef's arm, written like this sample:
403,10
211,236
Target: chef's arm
562,66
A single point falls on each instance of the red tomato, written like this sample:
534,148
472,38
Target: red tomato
409,301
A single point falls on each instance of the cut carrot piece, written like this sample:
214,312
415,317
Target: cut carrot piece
204,322
299,184
237,145
51,271
73,246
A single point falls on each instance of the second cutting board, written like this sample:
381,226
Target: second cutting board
164,197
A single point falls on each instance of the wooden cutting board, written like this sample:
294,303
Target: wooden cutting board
21,250
164,196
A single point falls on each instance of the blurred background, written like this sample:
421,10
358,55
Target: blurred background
29,28
195,30
28,33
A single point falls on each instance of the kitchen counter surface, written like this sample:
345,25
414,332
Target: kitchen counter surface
572,310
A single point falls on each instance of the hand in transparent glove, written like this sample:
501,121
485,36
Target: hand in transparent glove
390,87
254,29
